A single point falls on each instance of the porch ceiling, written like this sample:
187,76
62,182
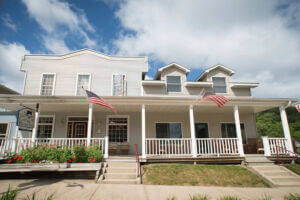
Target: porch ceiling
133,104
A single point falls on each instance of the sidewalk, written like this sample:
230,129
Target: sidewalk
86,189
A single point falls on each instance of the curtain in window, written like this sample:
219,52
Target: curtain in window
83,81
168,130
119,85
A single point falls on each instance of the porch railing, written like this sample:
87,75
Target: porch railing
168,147
275,146
217,146
16,145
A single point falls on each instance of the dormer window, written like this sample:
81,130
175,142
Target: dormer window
173,84
219,84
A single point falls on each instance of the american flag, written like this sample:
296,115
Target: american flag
95,99
218,99
297,106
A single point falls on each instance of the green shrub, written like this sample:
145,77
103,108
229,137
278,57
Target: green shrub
199,197
9,194
229,198
265,197
292,197
41,153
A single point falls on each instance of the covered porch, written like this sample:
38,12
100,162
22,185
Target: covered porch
162,127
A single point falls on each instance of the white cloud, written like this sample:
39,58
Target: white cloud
7,21
11,56
60,20
258,39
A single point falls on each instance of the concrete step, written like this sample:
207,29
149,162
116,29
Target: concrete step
259,164
278,173
121,170
121,164
286,179
289,183
120,181
120,176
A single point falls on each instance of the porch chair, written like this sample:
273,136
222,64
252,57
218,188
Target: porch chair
124,148
112,149
260,147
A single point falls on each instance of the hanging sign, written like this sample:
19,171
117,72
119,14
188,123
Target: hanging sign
25,119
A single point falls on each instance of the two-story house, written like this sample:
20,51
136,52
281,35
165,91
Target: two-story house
166,117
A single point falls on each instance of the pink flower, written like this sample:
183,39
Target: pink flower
20,158
74,158
16,157
10,161
70,161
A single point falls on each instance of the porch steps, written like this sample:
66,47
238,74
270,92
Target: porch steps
120,170
275,174
257,159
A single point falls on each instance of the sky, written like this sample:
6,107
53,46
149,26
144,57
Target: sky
259,40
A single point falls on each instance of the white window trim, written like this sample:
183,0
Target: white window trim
53,85
119,116
164,122
90,80
7,129
167,85
53,123
208,127
232,122
112,84
78,116
226,83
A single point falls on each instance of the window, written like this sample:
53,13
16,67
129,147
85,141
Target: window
47,86
83,81
168,130
219,84
201,130
118,129
45,127
229,131
173,84
119,86
3,130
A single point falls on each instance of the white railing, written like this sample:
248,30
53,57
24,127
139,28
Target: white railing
169,147
13,145
275,146
217,146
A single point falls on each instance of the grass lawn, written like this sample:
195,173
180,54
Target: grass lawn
293,167
208,175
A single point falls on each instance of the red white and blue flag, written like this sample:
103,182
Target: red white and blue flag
220,100
95,99
297,106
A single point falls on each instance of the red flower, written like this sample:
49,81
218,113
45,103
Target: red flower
74,158
16,157
79,162
38,160
10,161
34,161
92,159
20,158
70,161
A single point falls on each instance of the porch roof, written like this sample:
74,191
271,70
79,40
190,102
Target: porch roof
15,102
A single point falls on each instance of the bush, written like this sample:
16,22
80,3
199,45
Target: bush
292,197
41,153
9,194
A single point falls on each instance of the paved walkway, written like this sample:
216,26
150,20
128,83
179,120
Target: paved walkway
86,189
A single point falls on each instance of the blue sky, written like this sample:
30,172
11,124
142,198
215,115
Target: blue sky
257,39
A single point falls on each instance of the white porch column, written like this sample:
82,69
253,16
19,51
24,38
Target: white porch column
106,147
266,145
286,129
36,123
143,131
192,127
238,130
89,130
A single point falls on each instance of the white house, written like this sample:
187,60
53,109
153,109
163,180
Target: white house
165,117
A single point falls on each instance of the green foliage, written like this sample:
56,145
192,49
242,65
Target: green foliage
199,197
33,197
292,197
9,194
293,167
42,153
265,197
229,198
269,123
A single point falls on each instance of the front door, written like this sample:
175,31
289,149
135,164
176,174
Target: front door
80,130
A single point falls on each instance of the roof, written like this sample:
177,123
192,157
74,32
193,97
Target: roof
6,90
230,72
173,64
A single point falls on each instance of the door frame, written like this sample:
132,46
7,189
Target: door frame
74,129
119,116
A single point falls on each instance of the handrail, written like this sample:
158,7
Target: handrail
285,150
137,156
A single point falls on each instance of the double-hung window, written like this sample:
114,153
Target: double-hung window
3,130
45,127
168,130
219,84
118,129
173,84
47,85
83,83
119,86
229,131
